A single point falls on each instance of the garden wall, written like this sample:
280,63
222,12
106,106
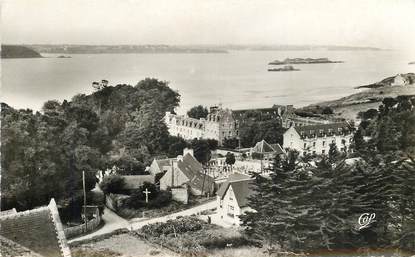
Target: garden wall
80,229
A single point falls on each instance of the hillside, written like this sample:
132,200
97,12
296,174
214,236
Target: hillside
15,51
348,106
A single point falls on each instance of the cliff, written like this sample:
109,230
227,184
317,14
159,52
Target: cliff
15,51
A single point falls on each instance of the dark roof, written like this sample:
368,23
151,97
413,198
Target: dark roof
241,189
241,186
321,130
193,170
135,181
39,230
8,248
278,149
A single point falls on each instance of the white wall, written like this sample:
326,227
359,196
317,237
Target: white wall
225,208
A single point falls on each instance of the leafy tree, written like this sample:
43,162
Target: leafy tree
113,184
176,146
327,110
333,153
213,144
198,112
201,150
230,158
251,132
230,143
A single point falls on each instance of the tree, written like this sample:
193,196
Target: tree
230,143
201,150
327,110
198,112
113,184
176,146
230,159
333,153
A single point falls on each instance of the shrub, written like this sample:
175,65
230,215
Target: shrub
177,226
327,110
112,184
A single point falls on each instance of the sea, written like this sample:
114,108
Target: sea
236,80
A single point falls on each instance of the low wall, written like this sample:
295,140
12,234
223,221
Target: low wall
80,229
180,195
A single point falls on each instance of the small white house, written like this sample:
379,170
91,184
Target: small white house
232,198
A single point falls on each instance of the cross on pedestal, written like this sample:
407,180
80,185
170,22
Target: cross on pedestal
146,192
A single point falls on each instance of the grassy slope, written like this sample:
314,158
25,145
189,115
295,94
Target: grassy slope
348,107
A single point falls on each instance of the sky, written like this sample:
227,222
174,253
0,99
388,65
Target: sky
377,23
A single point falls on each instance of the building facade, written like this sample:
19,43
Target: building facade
218,125
316,139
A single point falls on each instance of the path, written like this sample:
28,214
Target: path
138,223
114,222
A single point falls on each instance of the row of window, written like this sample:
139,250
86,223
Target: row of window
332,141
322,151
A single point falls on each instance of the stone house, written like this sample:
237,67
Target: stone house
186,170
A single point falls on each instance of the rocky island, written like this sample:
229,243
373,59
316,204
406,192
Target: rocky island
303,61
16,51
285,68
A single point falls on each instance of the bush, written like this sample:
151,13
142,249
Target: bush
327,110
177,226
112,184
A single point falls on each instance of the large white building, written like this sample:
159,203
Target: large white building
316,139
218,125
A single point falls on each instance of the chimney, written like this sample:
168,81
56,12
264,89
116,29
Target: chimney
188,151
179,157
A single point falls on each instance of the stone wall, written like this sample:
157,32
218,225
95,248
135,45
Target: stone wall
180,195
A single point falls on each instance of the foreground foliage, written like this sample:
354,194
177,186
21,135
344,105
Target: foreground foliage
44,153
305,208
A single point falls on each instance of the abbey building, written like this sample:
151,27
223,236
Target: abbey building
218,125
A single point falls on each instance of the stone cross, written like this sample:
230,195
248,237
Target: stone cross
146,192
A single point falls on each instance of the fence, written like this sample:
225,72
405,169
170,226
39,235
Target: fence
93,223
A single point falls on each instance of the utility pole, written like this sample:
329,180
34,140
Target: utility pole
85,217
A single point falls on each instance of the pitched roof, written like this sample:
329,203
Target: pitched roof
163,162
278,149
39,230
242,189
193,170
241,186
263,147
13,249
321,130
233,177
135,181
